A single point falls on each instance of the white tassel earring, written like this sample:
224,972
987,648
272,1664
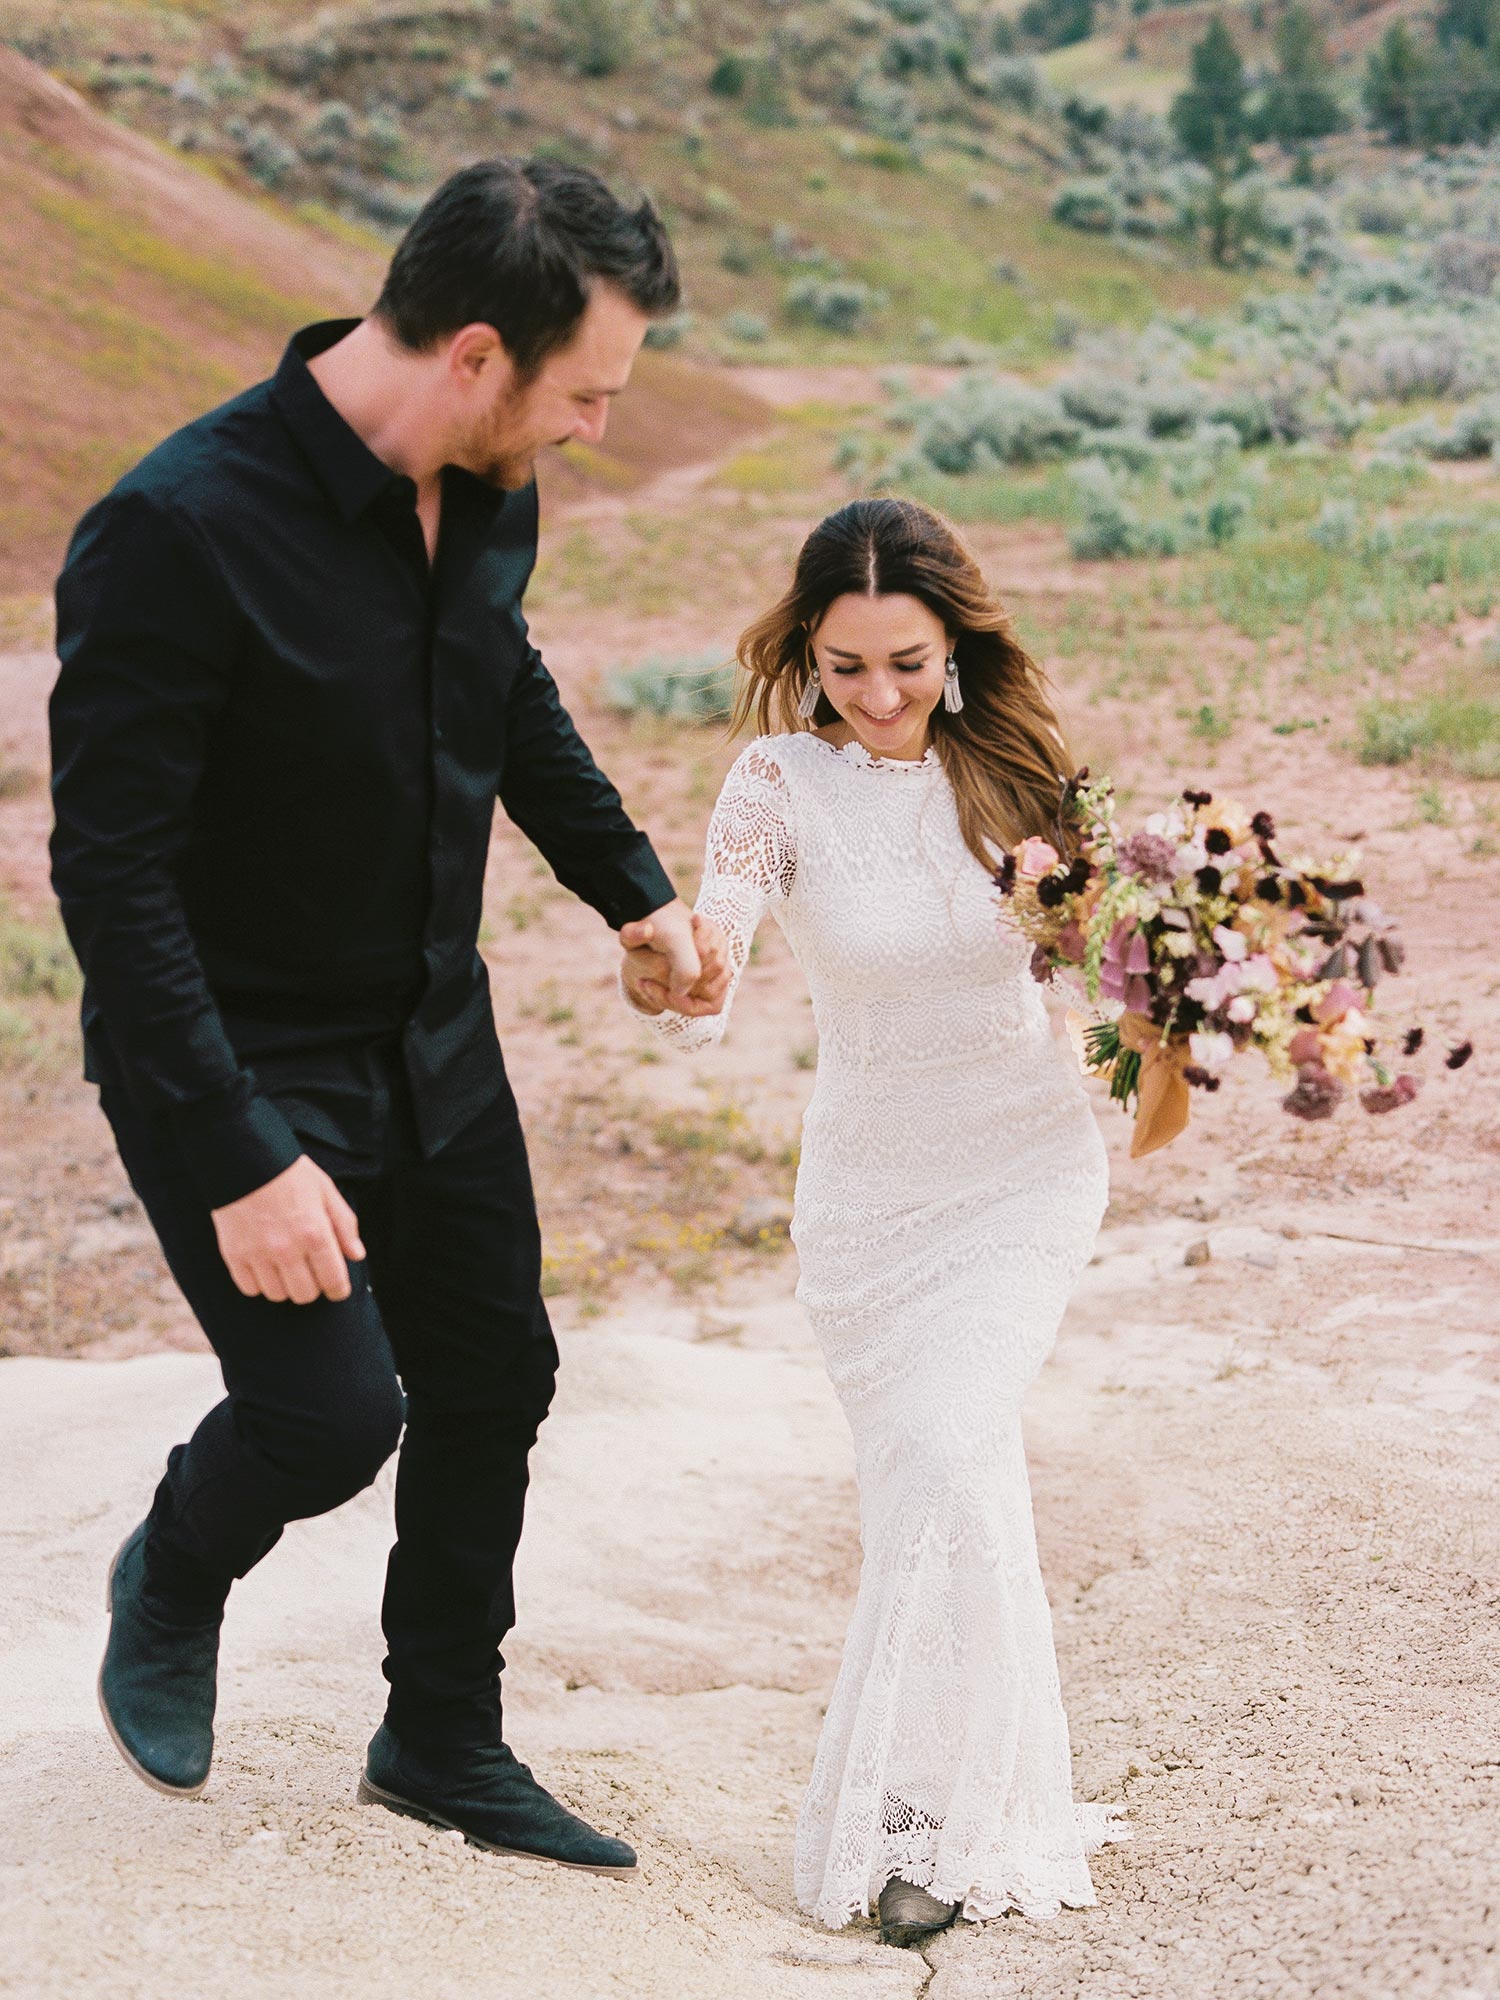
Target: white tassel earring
953,694
807,707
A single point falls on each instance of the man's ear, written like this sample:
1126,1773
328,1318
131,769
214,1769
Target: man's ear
476,351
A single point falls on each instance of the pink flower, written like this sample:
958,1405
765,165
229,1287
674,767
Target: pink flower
1214,990
1127,961
1241,1008
1149,855
1036,857
1339,1000
1231,943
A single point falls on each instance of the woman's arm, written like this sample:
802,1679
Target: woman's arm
750,863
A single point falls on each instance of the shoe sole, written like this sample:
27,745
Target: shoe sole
903,1936
146,1777
371,1794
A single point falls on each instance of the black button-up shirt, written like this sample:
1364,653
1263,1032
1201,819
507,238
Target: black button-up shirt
278,737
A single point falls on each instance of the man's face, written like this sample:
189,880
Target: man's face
569,398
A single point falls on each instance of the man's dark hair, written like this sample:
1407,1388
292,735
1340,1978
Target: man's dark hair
518,245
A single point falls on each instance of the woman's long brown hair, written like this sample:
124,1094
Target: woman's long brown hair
1003,751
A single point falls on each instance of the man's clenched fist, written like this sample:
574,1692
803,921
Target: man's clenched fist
291,1239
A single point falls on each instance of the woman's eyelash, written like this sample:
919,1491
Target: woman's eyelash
902,667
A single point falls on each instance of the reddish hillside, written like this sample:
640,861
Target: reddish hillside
140,290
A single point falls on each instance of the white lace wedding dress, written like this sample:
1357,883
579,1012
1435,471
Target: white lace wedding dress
951,1185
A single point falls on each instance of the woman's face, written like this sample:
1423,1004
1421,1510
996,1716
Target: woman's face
881,662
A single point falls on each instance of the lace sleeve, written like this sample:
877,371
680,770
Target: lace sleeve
750,863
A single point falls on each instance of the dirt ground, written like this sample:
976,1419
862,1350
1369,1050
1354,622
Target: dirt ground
1265,1454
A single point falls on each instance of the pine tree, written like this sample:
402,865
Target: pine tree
1298,104
1209,116
1396,76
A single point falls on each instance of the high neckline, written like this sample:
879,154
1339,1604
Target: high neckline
854,752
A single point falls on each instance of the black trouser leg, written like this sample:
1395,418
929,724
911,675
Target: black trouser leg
313,1406
458,1274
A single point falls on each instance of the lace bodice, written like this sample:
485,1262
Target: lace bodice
896,926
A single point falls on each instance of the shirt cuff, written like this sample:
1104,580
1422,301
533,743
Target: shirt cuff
234,1148
641,885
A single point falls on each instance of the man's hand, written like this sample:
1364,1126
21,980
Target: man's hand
648,970
290,1239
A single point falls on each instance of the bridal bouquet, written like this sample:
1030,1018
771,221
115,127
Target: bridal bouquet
1203,942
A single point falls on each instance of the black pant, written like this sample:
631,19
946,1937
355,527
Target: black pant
448,1302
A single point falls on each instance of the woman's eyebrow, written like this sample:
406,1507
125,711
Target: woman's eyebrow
900,653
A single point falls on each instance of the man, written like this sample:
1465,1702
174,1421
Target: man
295,678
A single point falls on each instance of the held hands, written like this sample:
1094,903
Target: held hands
292,1238
675,958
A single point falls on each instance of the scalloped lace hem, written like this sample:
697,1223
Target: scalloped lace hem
1031,1884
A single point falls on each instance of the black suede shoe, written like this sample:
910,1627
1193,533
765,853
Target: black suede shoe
491,1799
158,1682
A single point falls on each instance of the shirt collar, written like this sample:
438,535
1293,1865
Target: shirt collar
353,476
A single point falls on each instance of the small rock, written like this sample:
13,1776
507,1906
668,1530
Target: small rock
761,1222
1197,1253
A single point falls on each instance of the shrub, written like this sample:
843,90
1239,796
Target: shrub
668,332
1090,205
1468,265
978,423
842,305
1013,81
729,76
747,326
267,156
696,688
597,36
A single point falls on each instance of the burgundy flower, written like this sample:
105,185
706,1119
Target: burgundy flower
1041,966
1199,798
1316,1096
1200,1079
1005,874
1268,889
1456,1058
1263,826
1217,841
1391,1096
1150,855
1412,1041
1209,880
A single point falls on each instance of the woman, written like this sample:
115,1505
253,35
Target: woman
950,1189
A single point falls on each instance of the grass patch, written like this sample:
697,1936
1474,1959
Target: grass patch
1457,729
104,234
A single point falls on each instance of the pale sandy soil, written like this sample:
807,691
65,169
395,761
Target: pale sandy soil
1266,1481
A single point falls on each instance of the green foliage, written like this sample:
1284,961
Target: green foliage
729,76
1457,728
698,688
598,36
1442,88
1298,105
1055,24
841,305
35,961
1209,116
